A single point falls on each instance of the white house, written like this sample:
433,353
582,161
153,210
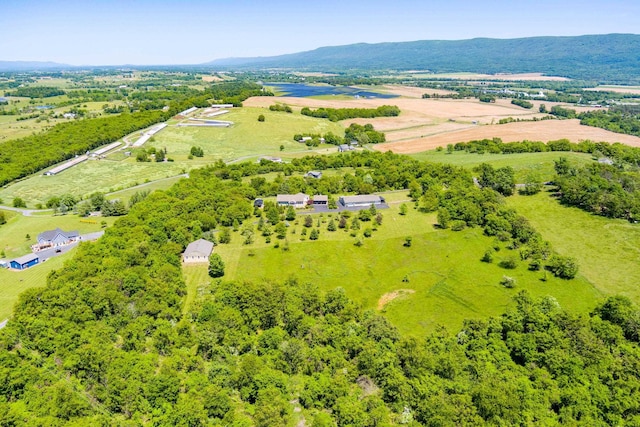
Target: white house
298,201
197,252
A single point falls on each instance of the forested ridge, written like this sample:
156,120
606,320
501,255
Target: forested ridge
106,342
607,58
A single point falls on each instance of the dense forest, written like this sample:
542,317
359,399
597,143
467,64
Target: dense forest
603,189
109,340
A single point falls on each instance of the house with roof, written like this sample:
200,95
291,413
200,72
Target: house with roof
362,200
320,200
298,201
24,262
54,238
314,174
197,252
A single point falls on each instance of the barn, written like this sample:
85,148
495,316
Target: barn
361,200
24,262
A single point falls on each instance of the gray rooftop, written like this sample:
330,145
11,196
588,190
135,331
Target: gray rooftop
199,247
25,258
362,198
51,234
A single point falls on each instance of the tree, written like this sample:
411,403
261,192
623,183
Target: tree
444,217
403,209
563,266
290,214
197,152
407,241
216,266
261,118
225,235
280,230
308,221
332,225
19,203
314,234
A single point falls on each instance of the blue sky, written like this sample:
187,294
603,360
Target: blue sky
101,32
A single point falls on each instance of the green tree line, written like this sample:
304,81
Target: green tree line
337,114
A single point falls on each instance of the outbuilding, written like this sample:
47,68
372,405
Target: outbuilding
24,262
361,200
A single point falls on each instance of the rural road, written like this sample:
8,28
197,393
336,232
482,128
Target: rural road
25,212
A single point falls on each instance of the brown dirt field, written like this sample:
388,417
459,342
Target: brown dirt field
390,296
547,130
620,89
211,79
425,124
414,92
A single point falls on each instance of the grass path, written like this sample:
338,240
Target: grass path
196,276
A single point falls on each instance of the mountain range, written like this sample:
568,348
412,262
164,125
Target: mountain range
607,58
610,57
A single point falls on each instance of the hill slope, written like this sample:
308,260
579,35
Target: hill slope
611,57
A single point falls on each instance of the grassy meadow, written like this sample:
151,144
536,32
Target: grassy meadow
539,164
607,250
441,267
16,282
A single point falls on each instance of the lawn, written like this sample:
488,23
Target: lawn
196,277
13,234
442,267
540,164
607,250
16,282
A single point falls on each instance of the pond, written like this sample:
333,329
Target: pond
301,90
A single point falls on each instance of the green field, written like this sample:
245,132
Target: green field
540,164
607,250
246,139
16,282
13,239
442,267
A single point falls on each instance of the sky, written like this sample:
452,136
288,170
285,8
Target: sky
163,32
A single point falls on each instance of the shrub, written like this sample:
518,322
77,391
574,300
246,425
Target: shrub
458,225
508,282
488,256
563,267
509,263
